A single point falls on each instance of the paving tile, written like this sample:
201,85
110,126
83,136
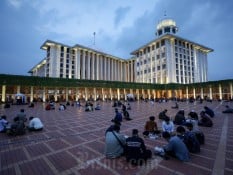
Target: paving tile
8,171
57,144
62,161
96,145
229,164
12,156
37,149
36,167
94,169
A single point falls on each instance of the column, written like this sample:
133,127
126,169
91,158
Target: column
220,91
101,68
3,93
78,64
86,94
125,94
97,67
143,94
55,94
18,89
109,73
43,95
88,66
83,65
231,91
31,95
137,92
76,94
211,94
67,94
149,96
110,91
202,94
93,66
118,93
105,68
154,93
194,93
187,92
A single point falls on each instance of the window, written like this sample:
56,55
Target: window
145,71
173,30
164,66
153,47
160,32
157,45
61,65
157,57
153,58
163,54
62,49
158,67
138,73
153,69
137,63
167,29
145,61
162,42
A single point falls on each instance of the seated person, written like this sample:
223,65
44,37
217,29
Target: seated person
228,110
31,105
3,123
162,115
126,115
135,151
151,127
199,134
98,107
17,128
179,118
175,147
209,111
176,106
123,108
114,143
193,115
35,124
52,105
128,107
205,120
110,128
21,115
167,125
189,138
114,104
118,116
62,107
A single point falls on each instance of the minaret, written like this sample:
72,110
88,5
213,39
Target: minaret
166,26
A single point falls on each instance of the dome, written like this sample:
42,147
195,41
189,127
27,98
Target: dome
166,26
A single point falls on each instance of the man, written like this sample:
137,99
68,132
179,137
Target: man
35,124
176,147
205,120
114,143
136,151
151,127
209,111
118,116
162,115
21,115
3,123
111,128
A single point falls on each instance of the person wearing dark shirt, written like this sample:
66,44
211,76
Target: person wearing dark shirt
228,110
205,120
118,116
179,118
163,115
136,152
111,128
193,115
209,111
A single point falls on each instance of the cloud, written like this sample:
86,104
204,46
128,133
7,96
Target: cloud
121,12
15,3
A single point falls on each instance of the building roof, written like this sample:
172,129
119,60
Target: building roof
202,47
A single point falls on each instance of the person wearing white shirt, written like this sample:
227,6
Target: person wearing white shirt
167,125
35,124
3,123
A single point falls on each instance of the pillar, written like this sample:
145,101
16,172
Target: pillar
187,92
95,96
76,94
43,95
194,93
103,95
137,92
211,94
55,94
3,93
149,96
118,93
110,91
231,91
202,94
125,94
31,95
18,89
220,91
67,94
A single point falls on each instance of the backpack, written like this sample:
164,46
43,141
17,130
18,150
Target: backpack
191,142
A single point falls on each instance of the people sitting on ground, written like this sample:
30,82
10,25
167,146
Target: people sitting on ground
189,138
3,123
179,118
126,115
114,143
168,126
67,103
175,147
135,151
21,115
62,107
151,127
110,128
176,106
228,110
163,115
128,107
52,105
98,107
205,120
193,118
123,108
35,124
209,111
193,115
17,128
88,106
31,105
199,134
118,116
114,104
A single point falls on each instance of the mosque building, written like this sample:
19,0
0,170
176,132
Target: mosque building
166,59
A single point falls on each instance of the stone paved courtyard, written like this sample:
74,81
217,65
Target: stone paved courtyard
72,142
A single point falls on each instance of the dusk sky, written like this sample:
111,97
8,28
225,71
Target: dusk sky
121,26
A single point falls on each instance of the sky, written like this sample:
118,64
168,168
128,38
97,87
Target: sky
121,26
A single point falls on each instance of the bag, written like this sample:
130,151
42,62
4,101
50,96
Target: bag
122,145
